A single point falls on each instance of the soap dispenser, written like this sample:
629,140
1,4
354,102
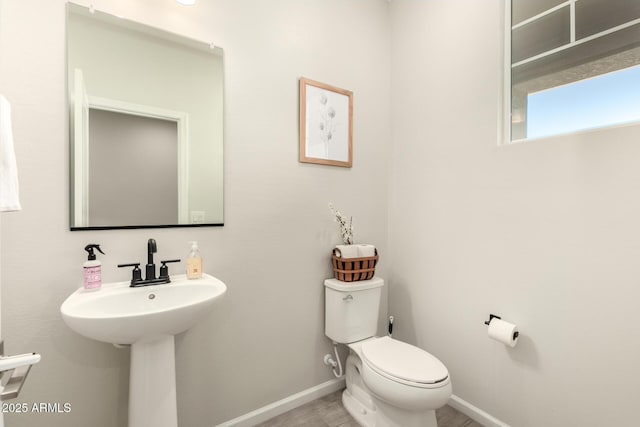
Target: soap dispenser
194,262
92,269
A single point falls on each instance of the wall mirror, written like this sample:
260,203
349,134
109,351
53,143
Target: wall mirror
146,125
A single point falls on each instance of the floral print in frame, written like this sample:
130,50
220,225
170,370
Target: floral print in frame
326,125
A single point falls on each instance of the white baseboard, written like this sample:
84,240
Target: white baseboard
291,402
288,403
475,413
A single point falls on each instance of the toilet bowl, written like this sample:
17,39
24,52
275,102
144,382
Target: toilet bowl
394,384
389,383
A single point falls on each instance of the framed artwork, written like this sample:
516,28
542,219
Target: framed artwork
326,124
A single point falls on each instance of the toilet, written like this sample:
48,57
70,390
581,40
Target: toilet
389,383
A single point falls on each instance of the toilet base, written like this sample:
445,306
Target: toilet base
391,416
370,411
364,416
367,417
387,416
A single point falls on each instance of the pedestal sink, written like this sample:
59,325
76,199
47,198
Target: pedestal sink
148,318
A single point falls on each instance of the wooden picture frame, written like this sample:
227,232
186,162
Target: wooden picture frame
326,124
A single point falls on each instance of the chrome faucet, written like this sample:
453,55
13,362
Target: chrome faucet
150,269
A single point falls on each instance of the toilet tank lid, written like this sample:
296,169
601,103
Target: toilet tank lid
404,361
361,285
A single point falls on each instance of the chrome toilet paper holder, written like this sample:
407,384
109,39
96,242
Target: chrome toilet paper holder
493,316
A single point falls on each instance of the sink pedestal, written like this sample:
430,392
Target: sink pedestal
147,318
152,384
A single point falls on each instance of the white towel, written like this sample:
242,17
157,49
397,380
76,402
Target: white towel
9,196
366,251
347,251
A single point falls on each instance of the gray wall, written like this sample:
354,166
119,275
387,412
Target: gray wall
133,172
544,233
266,340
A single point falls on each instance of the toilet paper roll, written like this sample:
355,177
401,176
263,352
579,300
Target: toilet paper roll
366,251
347,251
504,332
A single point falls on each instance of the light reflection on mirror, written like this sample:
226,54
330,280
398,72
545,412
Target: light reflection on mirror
146,125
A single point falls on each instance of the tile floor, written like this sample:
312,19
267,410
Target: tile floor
329,412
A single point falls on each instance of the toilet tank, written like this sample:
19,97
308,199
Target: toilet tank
351,309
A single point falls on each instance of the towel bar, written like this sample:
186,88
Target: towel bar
14,371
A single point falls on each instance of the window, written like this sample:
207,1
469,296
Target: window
574,65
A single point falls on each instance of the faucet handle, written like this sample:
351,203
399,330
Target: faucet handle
164,270
136,273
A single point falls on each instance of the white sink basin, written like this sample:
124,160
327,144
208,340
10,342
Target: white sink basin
120,314
147,317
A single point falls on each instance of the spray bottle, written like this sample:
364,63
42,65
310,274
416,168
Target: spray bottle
92,269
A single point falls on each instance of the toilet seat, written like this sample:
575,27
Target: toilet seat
404,363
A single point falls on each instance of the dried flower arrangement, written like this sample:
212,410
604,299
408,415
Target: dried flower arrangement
346,226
